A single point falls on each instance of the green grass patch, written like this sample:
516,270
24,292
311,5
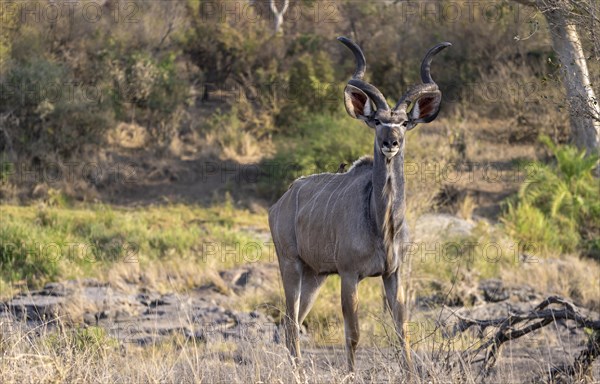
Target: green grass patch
41,243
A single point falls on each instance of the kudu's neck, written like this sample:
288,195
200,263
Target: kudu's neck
388,201
388,184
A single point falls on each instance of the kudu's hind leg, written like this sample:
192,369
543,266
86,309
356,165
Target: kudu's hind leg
291,272
350,312
311,283
394,294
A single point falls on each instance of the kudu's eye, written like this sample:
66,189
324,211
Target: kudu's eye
405,123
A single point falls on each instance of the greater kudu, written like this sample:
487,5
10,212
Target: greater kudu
353,223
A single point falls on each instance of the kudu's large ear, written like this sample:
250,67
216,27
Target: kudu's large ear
425,109
358,104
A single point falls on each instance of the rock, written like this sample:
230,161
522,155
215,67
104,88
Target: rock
89,319
488,291
493,290
440,227
242,281
250,277
525,294
102,315
56,289
193,335
145,317
149,301
36,307
153,311
122,314
91,282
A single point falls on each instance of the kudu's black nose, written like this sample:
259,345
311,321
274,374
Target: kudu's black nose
387,144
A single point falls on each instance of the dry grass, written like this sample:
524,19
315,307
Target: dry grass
568,276
466,207
59,356
60,353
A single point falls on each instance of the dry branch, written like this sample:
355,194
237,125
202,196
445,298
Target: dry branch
516,325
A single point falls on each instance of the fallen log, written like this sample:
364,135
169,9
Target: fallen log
517,325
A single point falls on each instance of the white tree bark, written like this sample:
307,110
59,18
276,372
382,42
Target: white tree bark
278,14
584,106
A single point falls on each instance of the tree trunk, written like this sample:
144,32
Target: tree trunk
278,15
583,105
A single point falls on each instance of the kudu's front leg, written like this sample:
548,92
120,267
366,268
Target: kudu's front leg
394,294
350,312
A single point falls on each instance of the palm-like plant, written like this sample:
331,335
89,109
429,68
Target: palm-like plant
559,206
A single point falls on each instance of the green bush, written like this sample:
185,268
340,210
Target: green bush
227,48
53,118
558,209
9,22
149,89
148,82
311,91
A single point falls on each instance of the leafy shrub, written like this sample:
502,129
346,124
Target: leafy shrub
148,82
8,25
311,91
228,48
52,118
559,208
148,88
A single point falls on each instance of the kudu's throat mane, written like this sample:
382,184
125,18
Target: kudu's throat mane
389,225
